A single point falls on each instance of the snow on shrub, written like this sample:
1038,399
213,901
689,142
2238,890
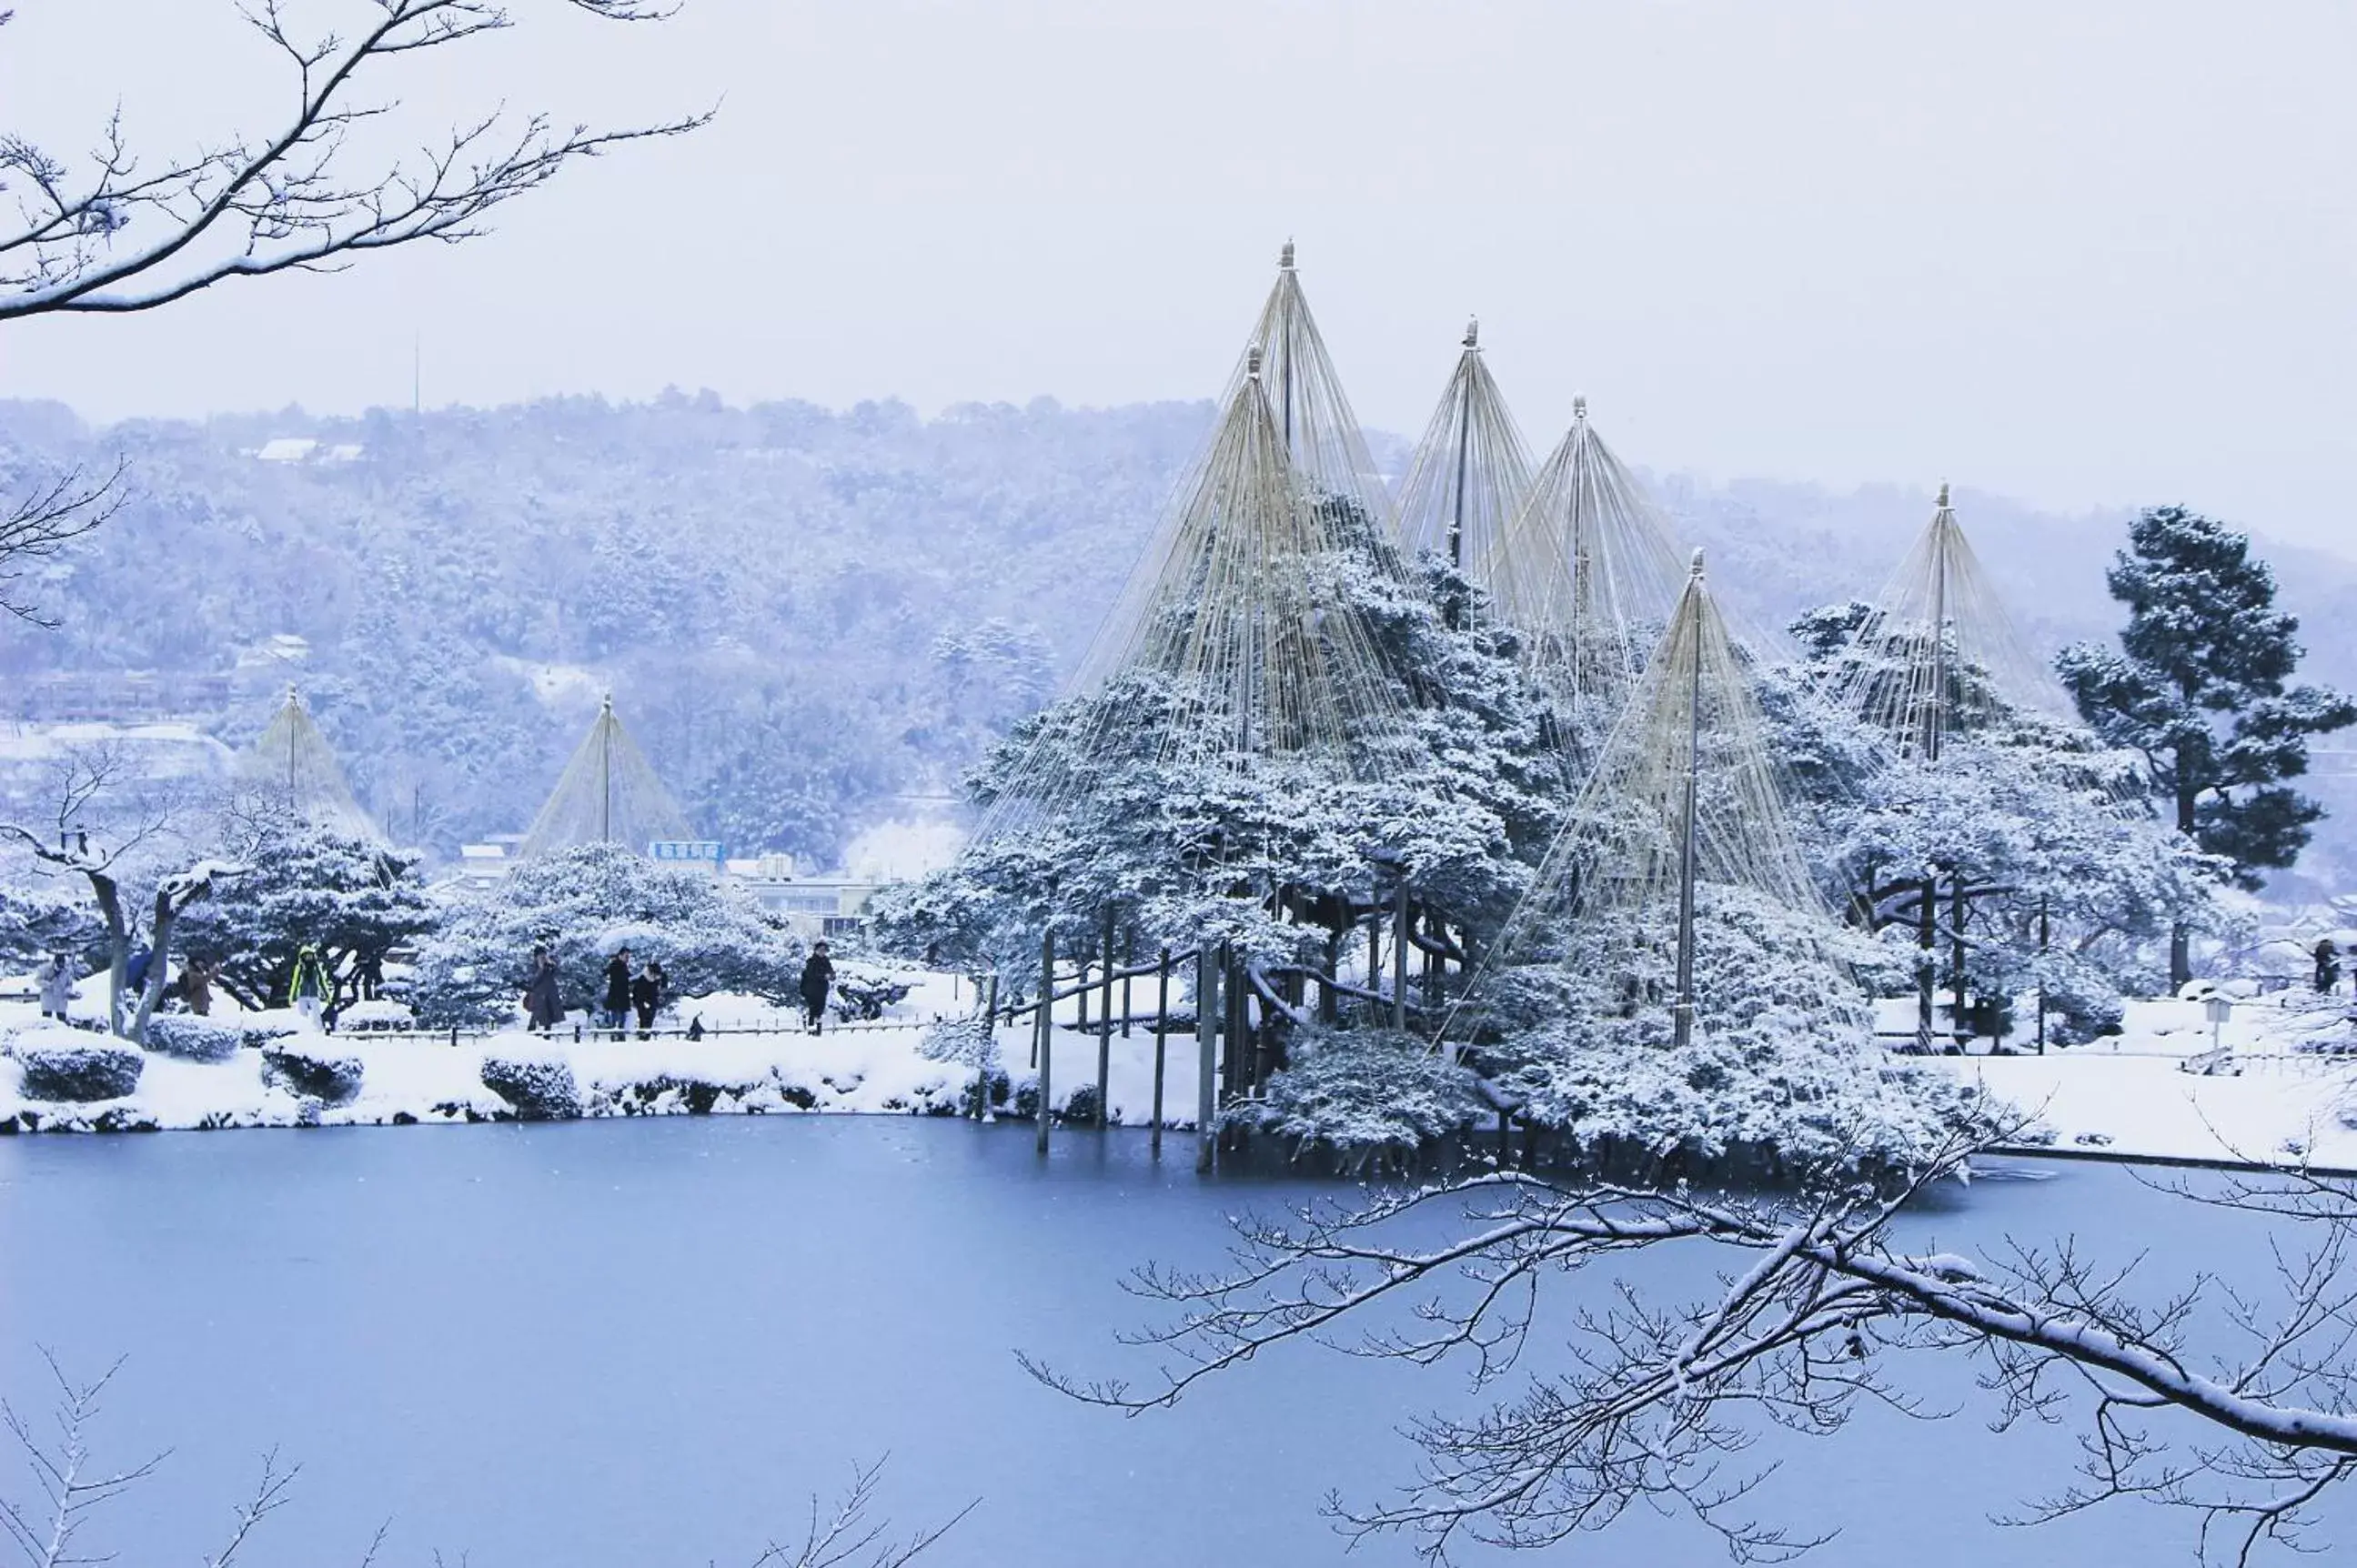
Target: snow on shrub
69,1065
1364,1093
312,1072
1781,1072
585,903
541,1091
191,1038
971,1043
257,1031
380,1013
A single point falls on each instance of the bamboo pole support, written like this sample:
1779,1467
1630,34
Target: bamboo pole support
1105,1032
1161,1043
1047,1033
1207,1043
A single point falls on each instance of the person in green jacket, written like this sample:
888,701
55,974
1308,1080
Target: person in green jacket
312,984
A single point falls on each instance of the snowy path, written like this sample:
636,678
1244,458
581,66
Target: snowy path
2131,1094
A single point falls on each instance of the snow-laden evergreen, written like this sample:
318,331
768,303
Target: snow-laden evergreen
585,903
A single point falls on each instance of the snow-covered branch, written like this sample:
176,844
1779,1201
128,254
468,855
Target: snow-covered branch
2249,1427
105,237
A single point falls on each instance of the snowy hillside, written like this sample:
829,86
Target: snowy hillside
808,615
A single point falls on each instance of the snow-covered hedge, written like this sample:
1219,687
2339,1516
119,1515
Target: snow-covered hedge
585,903
381,1013
313,1072
191,1038
1364,1093
68,1064
541,1091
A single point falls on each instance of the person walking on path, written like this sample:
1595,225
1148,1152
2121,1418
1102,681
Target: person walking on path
57,987
618,991
818,974
647,995
2328,967
311,987
543,1011
197,987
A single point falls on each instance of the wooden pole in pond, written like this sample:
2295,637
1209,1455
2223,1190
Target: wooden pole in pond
1104,1031
981,1069
1047,1034
1207,1042
1161,1040
1128,963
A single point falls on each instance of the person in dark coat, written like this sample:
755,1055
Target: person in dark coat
2328,966
197,986
818,974
647,994
541,1009
618,991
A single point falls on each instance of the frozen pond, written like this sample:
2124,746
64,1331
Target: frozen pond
627,1344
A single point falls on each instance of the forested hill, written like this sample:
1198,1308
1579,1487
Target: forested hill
801,613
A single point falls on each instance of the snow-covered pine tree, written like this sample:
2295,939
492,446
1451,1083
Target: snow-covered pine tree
2052,873
1286,858
2201,686
586,902
353,899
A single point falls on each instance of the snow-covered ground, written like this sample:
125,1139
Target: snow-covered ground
2281,1097
876,1068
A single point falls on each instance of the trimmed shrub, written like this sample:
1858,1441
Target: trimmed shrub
383,1014
1080,1105
190,1038
540,1091
313,1074
74,1071
257,1030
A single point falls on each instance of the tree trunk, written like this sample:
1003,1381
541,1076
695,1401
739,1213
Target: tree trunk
2180,935
159,945
1926,977
118,946
1956,951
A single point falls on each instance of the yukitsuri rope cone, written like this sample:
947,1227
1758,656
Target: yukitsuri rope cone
291,765
608,793
1231,646
1684,796
1938,645
1471,471
1586,571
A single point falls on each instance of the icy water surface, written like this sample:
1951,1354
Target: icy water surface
644,1343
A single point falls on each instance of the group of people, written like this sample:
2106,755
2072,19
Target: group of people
644,992
57,978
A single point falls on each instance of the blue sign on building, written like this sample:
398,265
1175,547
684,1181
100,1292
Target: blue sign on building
702,851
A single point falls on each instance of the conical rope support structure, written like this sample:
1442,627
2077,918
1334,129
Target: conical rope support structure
1936,652
291,765
1586,571
1471,471
1685,798
1231,645
608,793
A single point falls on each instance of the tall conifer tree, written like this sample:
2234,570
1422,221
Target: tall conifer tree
2201,685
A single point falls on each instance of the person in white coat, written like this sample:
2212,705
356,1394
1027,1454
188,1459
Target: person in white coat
58,986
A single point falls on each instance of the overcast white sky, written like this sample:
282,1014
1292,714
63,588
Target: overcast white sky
2082,253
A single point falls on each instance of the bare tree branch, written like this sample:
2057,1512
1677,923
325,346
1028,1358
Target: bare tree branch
107,238
44,519
1662,1399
